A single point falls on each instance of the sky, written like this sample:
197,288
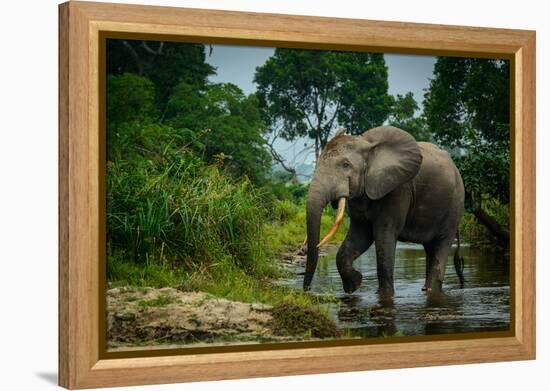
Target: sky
237,65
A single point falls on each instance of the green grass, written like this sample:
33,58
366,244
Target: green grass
291,231
471,230
220,279
396,334
122,272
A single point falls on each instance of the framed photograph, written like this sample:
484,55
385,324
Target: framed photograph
248,195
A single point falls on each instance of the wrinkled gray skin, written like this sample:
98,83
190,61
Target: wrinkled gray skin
396,189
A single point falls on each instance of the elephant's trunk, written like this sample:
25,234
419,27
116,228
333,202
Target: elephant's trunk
314,209
321,192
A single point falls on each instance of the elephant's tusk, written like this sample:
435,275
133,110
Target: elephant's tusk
337,222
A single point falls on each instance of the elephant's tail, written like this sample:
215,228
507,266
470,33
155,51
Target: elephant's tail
459,261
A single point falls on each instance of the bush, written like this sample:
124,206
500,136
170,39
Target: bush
299,192
284,210
173,207
471,230
291,319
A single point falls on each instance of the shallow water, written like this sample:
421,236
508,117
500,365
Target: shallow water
483,304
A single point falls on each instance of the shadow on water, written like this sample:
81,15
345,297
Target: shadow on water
483,305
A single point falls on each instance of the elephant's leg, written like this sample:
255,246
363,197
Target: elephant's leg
437,261
385,239
358,240
429,262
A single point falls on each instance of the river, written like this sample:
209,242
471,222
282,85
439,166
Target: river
483,304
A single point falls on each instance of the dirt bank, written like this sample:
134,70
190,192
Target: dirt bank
147,316
296,255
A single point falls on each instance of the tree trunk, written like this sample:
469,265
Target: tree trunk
492,225
316,148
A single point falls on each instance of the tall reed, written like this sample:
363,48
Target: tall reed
172,207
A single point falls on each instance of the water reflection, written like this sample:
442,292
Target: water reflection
483,305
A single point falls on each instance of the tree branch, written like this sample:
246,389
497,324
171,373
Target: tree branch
151,51
135,56
279,159
331,121
276,130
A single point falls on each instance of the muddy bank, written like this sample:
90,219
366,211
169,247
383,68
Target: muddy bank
167,316
296,255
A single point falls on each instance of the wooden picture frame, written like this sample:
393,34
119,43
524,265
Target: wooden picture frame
82,26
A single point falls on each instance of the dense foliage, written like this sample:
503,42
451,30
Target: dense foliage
467,110
233,123
166,64
218,122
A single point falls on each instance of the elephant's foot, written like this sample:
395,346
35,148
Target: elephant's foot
385,293
352,281
385,290
435,288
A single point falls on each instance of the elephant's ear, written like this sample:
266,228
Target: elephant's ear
393,159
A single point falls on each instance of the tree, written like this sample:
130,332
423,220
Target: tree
130,105
234,127
309,93
130,98
166,64
403,117
467,110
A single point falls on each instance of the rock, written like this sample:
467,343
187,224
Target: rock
260,307
125,317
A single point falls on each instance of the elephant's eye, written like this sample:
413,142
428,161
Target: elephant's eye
346,165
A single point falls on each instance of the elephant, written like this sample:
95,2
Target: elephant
396,189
